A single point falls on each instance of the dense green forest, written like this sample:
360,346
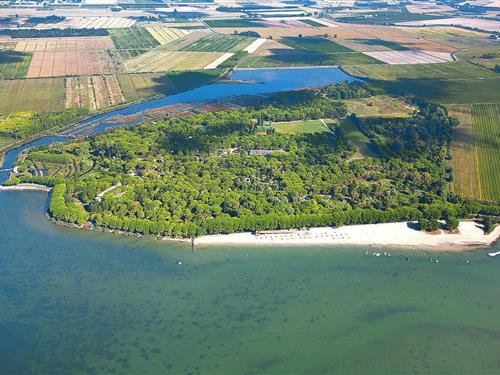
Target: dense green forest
214,173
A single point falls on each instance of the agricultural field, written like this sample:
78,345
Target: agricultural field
464,161
14,64
37,95
146,85
312,22
133,42
451,70
165,34
65,44
219,43
73,63
485,121
378,106
232,23
451,36
387,17
300,127
293,58
314,45
410,57
370,45
281,32
162,60
90,23
94,92
474,23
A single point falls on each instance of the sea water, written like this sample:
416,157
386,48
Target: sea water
73,301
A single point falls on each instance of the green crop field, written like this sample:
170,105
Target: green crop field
464,161
219,43
314,44
132,42
14,64
144,85
486,124
447,83
305,59
451,70
312,22
37,95
297,127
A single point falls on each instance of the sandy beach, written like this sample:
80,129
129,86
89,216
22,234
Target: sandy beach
25,187
390,234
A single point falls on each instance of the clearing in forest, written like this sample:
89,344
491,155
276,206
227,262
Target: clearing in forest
378,106
298,127
359,140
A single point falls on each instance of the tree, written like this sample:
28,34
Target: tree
433,225
488,225
423,224
452,223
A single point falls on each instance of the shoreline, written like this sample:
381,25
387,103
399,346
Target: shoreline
471,236
24,187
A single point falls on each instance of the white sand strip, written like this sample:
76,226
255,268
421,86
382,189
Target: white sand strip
26,186
390,234
214,64
252,47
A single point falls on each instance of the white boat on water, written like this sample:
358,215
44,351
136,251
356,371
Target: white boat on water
494,254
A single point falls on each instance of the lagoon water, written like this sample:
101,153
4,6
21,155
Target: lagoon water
73,301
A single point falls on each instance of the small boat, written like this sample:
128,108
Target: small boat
494,254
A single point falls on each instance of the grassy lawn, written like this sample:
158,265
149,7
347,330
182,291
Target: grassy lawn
464,161
314,44
378,106
485,121
301,127
360,141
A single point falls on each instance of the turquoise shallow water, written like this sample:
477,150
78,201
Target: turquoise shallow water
80,302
